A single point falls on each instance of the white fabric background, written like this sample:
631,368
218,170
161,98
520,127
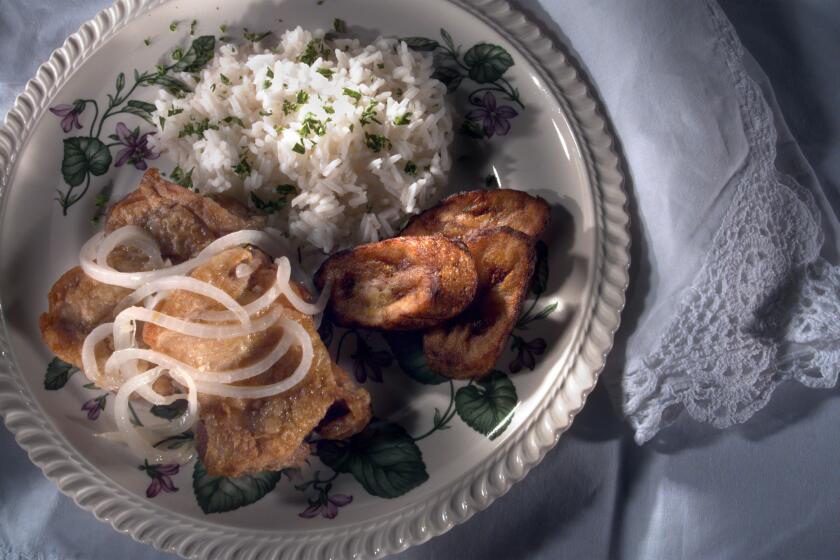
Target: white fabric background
767,489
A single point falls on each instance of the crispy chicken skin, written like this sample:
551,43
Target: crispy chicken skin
350,412
469,345
240,436
182,222
399,284
463,213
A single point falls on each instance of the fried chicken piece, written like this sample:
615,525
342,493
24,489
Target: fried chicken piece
399,284
350,412
182,222
464,213
240,436
78,304
469,345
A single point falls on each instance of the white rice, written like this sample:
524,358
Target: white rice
346,192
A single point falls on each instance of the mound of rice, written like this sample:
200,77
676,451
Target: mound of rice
337,141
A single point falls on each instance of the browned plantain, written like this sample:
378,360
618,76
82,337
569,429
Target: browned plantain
463,213
469,345
399,284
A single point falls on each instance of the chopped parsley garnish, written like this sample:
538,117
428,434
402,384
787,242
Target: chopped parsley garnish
173,111
399,92
264,113
278,128
212,87
223,28
193,25
100,202
197,128
235,120
173,26
289,107
225,80
255,37
184,179
339,25
302,97
352,126
311,124
369,114
410,168
314,49
380,66
162,122
269,73
328,110
243,168
403,119
352,93
271,206
377,142
147,41
325,72
266,84
299,148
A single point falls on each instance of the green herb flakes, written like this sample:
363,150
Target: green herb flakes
182,178
403,119
255,37
352,93
243,168
147,41
284,193
339,25
369,114
377,142
197,128
225,80
302,97
325,72
234,120
299,148
410,168
173,26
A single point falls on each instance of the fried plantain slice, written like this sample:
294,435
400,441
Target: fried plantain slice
469,345
399,284
463,213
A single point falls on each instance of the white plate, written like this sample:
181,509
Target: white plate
559,147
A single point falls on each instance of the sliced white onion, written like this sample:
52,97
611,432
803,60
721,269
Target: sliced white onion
296,301
133,236
260,392
122,324
119,358
187,284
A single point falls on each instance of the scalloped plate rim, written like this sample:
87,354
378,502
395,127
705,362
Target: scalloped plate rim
610,268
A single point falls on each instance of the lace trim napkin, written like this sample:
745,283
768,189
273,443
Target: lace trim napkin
763,308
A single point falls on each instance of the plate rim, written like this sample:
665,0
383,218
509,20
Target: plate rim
466,495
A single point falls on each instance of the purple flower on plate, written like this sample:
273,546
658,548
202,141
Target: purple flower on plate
136,150
525,353
325,505
492,118
95,406
161,478
70,114
368,362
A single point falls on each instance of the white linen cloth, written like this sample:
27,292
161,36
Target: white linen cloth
678,99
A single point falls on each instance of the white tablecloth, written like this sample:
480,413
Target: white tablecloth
770,488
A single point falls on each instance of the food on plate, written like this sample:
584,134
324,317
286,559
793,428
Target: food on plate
468,345
245,435
178,301
335,141
403,283
466,212
181,221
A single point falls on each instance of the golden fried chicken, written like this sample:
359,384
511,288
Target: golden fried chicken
399,284
469,345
